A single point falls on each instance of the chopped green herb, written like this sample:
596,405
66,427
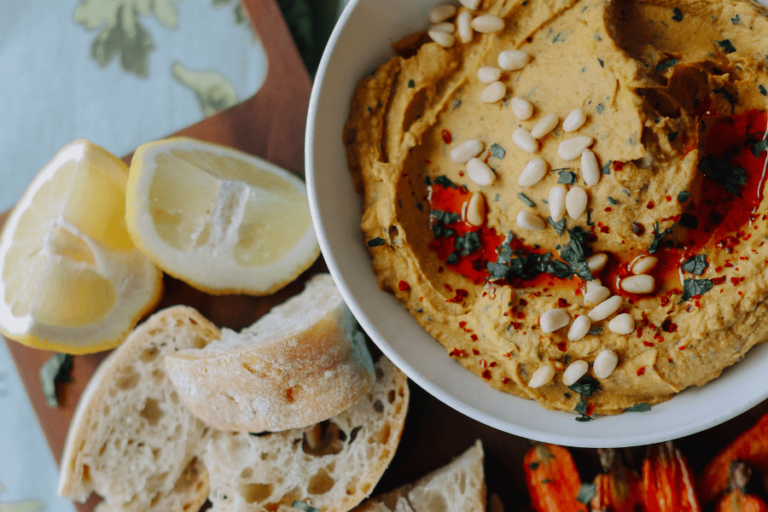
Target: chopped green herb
525,266
599,108
544,201
586,493
457,104
452,258
375,242
694,287
695,264
441,219
689,221
466,244
612,200
589,218
547,481
557,38
411,84
677,14
566,177
726,174
444,181
759,147
581,408
601,61
303,506
595,331
586,386
726,45
763,90
370,110
574,253
497,151
567,358
658,236
420,206
607,167
683,196
736,20
533,465
661,66
56,369
671,136
559,226
626,192
641,407
525,199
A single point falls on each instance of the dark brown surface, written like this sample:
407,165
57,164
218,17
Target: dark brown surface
271,125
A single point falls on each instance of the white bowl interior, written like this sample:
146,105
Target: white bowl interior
361,42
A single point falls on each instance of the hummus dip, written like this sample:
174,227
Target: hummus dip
637,267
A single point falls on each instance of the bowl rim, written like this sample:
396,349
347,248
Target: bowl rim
433,388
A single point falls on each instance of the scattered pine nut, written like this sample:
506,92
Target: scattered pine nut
487,24
622,324
545,125
571,149
554,319
441,13
543,375
493,93
574,121
472,5
575,371
476,209
579,328
532,173
644,264
467,150
523,139
640,284
597,262
488,74
512,60
464,26
557,202
606,308
442,38
605,363
576,202
443,27
596,296
590,170
529,221
480,173
521,108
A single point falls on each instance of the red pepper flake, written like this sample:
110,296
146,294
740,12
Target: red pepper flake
487,374
728,265
590,408
446,136
718,269
741,293
505,380
658,337
562,346
508,354
669,326
523,302
718,280
462,324
461,173
736,280
641,371
474,337
421,299
638,228
475,351
492,364
647,343
427,162
650,205
562,303
483,363
668,198
403,286
440,269
607,209
663,301
682,347
461,294
617,166
605,229
458,353
743,258
516,326
520,315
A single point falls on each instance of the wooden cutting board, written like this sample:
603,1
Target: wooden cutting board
271,125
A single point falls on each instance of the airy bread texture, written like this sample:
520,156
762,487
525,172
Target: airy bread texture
132,440
303,362
332,466
456,487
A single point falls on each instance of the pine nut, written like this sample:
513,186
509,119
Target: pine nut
493,93
476,209
443,27
576,202
464,25
543,375
472,5
443,39
606,308
532,173
488,74
554,319
480,173
571,149
605,363
529,221
597,262
523,139
644,264
545,125
596,296
622,324
640,284
512,60
467,150
592,285
574,372
579,328
574,121
441,13
487,23
590,170
521,108
557,202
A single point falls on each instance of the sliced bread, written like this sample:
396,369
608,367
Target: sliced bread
456,487
332,466
303,362
132,440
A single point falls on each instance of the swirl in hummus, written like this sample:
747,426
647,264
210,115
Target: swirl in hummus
658,282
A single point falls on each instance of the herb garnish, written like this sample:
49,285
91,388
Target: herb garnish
411,84
586,493
466,244
599,108
566,177
695,264
689,221
661,66
759,147
575,255
641,407
683,196
585,386
595,331
441,219
525,266
607,167
303,506
694,287
736,20
559,226
677,14
375,242
581,408
525,199
601,61
671,136
763,90
497,151
612,200
444,181
726,45
726,174
658,236
589,218
56,369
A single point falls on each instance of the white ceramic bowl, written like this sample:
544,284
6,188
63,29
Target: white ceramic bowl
359,43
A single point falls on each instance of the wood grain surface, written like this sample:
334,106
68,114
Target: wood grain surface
271,125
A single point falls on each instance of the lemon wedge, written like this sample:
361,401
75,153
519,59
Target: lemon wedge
220,220
71,280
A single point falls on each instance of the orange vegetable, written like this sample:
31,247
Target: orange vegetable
668,483
750,447
552,479
619,489
737,500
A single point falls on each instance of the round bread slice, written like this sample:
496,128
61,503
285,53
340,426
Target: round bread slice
303,362
331,466
132,440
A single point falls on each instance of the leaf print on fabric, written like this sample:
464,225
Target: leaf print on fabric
21,506
121,30
214,93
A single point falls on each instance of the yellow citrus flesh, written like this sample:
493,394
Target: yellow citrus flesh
221,220
71,279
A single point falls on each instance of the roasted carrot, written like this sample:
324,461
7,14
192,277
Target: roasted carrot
737,500
750,447
552,479
668,484
618,489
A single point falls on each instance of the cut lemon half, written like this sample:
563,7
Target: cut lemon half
71,280
221,220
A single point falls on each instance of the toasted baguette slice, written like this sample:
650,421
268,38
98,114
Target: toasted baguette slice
333,472
456,487
132,440
303,362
